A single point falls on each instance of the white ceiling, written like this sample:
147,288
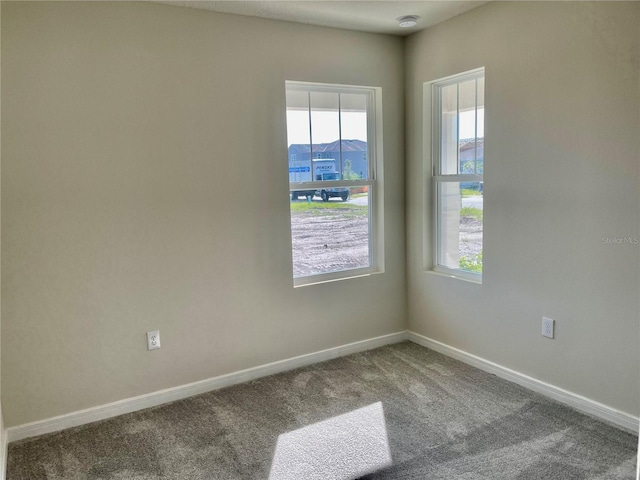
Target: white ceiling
379,16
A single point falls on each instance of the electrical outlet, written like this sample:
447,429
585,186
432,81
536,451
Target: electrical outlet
153,340
548,325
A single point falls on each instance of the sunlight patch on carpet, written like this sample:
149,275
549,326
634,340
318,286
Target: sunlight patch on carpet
344,447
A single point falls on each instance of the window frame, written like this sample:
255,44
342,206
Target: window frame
372,182
433,109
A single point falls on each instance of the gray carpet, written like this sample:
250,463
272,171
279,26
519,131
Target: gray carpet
445,420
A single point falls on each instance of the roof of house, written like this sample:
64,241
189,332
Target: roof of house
466,143
347,146
467,148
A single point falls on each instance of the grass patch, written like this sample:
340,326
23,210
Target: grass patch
328,208
469,192
471,263
472,212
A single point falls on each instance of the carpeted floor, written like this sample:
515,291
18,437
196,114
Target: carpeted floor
444,419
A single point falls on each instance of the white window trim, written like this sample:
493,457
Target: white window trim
432,176
374,182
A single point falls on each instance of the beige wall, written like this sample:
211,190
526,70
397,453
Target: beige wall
145,187
562,171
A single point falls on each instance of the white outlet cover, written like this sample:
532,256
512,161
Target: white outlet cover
153,340
548,325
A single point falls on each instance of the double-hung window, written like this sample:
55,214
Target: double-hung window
457,167
332,160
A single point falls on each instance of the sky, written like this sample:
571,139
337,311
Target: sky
325,126
467,124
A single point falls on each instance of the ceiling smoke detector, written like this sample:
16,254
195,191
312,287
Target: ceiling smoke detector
408,21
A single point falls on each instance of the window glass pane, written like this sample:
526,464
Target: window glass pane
353,123
480,155
298,132
325,131
330,231
467,99
467,127
481,100
460,215
449,130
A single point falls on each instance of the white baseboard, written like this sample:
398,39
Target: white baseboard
4,442
153,399
583,404
102,412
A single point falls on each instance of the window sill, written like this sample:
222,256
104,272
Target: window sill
465,277
334,277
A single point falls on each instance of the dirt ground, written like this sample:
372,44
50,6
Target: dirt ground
329,240
470,237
